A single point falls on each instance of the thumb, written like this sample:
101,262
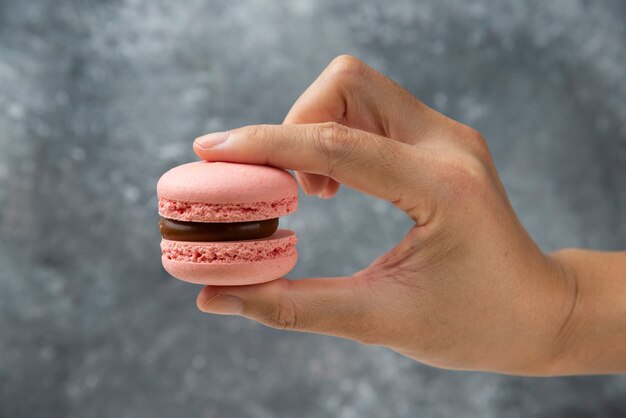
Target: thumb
338,306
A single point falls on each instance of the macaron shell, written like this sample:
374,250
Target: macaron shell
231,262
253,272
221,182
226,212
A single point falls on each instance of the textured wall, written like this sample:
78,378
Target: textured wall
98,98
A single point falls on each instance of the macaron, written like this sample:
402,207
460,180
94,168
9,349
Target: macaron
219,222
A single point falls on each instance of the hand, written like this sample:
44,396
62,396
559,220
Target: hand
466,288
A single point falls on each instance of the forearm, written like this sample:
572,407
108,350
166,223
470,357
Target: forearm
593,339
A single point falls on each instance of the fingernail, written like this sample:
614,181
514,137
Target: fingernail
211,140
224,305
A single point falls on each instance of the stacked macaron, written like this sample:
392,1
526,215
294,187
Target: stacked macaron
219,222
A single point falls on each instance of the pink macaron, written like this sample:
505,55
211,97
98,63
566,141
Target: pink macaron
219,223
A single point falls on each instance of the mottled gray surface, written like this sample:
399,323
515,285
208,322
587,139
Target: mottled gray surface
98,98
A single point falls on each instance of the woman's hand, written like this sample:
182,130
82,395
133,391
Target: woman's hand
466,288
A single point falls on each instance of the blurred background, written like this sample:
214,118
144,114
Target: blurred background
99,98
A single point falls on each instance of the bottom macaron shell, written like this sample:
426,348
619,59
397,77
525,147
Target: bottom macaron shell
230,263
252,272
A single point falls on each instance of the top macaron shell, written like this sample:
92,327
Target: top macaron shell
226,192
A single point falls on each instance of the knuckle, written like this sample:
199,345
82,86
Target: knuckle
472,171
464,174
283,316
345,65
476,141
346,141
330,140
331,134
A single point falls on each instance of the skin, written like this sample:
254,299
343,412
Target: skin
467,288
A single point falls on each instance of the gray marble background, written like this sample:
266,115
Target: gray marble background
98,98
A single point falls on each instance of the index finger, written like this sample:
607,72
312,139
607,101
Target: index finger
369,163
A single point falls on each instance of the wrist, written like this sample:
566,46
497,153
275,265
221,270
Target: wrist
593,340
549,312
567,326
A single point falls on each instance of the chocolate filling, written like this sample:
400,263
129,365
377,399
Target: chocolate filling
225,231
